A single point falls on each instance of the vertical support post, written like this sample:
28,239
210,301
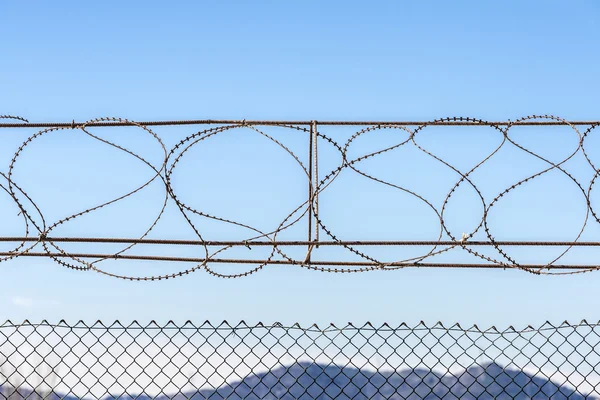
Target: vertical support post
310,188
316,179
313,181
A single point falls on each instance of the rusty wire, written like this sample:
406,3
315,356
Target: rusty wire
38,231
456,121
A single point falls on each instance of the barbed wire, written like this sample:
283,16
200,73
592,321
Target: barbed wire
39,231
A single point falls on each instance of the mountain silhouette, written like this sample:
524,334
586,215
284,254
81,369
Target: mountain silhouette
306,380
315,381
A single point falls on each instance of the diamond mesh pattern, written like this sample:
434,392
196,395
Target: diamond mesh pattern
225,361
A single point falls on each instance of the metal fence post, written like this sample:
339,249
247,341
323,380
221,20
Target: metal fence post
316,179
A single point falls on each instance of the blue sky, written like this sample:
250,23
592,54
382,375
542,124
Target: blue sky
283,60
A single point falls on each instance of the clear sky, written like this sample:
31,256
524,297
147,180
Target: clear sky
307,60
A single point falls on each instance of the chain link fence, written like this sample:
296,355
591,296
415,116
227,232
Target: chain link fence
243,361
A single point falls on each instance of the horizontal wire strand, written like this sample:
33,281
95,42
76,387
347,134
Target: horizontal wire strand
247,243
456,122
298,262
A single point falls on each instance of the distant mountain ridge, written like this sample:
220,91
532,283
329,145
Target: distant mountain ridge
307,380
314,381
